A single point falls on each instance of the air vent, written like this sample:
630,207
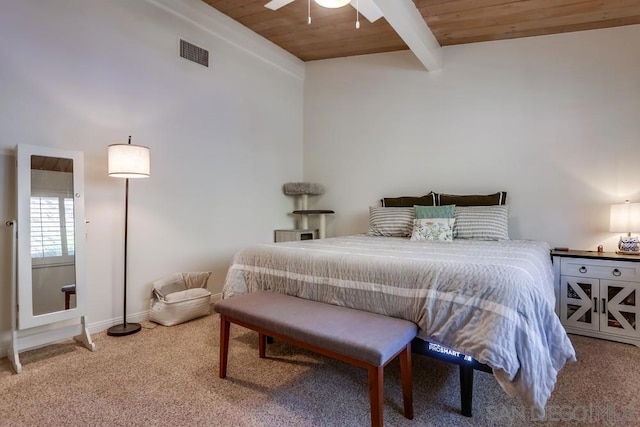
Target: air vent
194,53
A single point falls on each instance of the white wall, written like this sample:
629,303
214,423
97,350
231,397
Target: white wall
553,120
84,74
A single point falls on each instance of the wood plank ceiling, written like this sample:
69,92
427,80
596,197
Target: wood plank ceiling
332,32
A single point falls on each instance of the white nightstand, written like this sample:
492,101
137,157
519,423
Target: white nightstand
598,294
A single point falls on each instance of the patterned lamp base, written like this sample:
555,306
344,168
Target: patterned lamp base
629,245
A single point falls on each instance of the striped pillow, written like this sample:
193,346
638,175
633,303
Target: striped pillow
391,222
481,222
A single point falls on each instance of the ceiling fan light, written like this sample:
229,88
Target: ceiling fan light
333,4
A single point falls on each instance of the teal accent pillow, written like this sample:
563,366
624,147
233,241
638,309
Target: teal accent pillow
446,211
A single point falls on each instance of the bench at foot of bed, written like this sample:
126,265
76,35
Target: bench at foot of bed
356,337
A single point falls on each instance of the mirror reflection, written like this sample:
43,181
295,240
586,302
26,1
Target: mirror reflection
52,234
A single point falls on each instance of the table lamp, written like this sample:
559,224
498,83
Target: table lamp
625,218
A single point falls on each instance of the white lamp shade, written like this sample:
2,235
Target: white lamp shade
129,161
333,4
625,218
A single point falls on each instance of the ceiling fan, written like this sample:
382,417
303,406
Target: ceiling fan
367,8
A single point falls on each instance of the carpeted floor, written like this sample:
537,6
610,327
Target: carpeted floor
168,376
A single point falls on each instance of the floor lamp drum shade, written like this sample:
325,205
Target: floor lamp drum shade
127,161
625,218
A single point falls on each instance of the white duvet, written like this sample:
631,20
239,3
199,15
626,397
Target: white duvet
491,300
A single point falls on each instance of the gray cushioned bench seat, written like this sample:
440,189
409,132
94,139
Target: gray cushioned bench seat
361,338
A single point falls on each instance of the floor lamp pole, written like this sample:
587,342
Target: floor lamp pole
126,246
125,328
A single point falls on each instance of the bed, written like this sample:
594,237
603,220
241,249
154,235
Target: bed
493,300
490,300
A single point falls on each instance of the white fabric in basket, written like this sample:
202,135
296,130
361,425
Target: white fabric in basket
179,298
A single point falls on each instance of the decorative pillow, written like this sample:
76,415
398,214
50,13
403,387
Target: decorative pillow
187,295
481,222
390,222
197,279
447,211
168,285
438,229
409,201
178,282
499,198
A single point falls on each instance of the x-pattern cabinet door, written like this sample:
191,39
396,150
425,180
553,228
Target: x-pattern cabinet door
579,302
618,308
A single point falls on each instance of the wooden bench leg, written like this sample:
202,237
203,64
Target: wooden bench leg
376,394
407,388
262,345
224,345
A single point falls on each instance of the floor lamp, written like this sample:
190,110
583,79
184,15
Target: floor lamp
127,161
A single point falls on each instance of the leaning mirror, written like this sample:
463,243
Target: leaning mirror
52,239
50,284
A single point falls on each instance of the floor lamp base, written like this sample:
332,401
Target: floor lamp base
122,330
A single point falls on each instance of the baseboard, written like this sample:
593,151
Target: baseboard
103,325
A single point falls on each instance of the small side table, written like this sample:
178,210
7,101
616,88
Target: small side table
322,213
294,235
598,294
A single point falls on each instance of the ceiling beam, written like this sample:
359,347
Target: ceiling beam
368,9
407,21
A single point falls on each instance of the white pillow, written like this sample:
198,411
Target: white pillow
187,295
391,222
178,282
481,222
168,285
435,229
197,279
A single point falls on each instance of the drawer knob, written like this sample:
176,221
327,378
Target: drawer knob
582,269
616,272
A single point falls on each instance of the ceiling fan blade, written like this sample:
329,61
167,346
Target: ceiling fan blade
277,4
368,9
